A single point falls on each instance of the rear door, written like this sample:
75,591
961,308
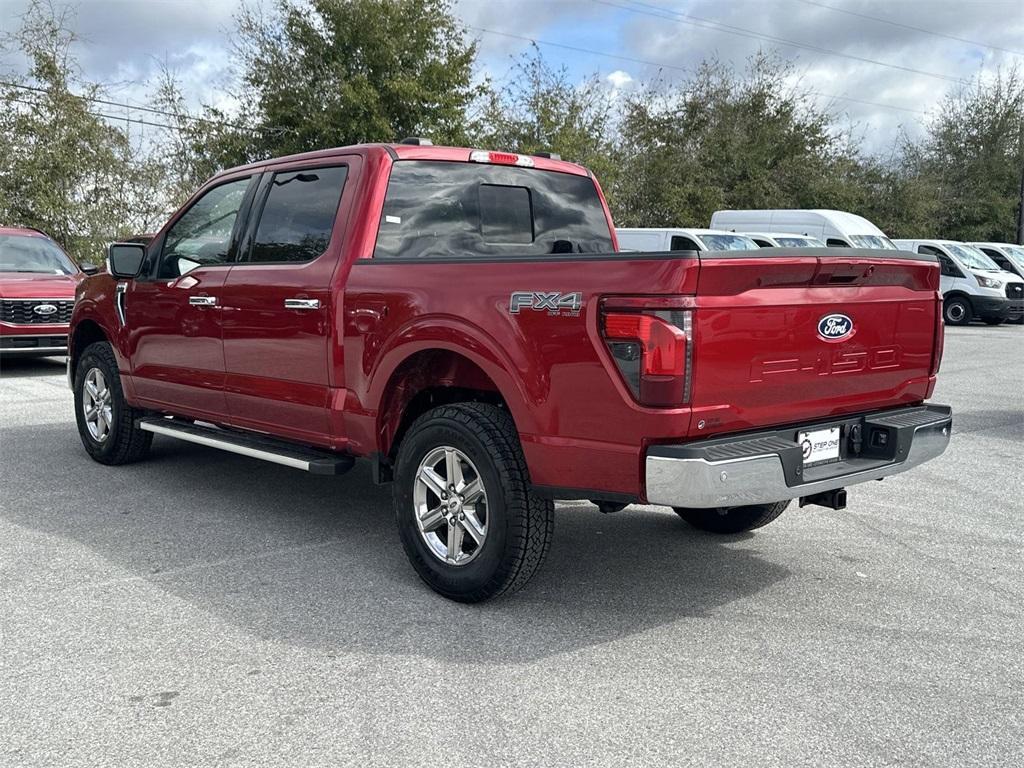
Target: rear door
811,334
277,316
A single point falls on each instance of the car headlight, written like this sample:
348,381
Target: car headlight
988,282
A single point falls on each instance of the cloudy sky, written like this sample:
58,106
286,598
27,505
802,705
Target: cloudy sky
880,64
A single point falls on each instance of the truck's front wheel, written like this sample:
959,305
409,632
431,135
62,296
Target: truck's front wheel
106,423
468,521
732,519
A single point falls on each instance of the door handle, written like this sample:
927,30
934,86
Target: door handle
302,303
202,301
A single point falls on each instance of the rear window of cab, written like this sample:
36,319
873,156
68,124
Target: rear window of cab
443,209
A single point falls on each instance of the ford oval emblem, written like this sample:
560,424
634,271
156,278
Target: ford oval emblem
835,327
44,309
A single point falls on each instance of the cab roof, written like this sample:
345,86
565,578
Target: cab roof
409,152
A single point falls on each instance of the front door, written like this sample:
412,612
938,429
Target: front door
277,305
173,313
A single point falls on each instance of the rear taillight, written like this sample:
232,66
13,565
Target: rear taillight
939,342
653,351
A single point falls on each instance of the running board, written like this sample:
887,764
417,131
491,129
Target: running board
255,446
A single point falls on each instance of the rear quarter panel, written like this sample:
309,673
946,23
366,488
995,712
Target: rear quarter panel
579,426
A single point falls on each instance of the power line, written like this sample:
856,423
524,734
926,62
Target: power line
901,25
125,118
704,23
151,110
676,67
537,41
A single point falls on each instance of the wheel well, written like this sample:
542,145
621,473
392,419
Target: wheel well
86,332
424,381
957,295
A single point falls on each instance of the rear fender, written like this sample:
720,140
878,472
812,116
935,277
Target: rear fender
449,335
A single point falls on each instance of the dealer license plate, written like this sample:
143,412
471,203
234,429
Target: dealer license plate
820,446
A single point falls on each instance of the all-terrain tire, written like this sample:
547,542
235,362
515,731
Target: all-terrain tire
124,442
732,519
519,525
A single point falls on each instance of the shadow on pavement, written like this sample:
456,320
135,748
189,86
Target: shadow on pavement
25,367
316,561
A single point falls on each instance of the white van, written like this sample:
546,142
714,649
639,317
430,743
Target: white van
1008,256
675,239
972,284
783,240
837,229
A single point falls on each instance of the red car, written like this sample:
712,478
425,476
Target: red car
37,293
461,320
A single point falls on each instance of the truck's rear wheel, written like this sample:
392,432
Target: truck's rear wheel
468,521
957,311
732,519
106,423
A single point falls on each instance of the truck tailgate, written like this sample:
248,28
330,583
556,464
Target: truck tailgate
785,336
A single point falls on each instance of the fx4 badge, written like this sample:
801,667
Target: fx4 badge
553,303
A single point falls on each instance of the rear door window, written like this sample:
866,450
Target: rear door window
298,215
439,209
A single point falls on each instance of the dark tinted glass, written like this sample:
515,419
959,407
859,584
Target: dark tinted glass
680,243
298,217
465,209
948,268
505,214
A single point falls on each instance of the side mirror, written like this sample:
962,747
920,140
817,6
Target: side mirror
89,269
124,260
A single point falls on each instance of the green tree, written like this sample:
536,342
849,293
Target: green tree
327,73
539,108
728,139
63,169
969,164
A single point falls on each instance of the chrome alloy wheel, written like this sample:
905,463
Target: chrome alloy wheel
99,414
451,505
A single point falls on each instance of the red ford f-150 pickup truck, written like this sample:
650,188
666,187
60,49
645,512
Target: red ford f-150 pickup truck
461,319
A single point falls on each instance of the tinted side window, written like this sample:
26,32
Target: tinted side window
202,236
998,258
435,208
298,216
680,243
834,242
762,243
946,265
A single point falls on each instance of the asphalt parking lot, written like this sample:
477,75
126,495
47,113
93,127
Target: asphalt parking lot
206,609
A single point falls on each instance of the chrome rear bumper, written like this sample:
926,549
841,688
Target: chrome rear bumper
767,466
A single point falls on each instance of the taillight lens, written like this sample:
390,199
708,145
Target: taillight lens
939,343
654,353
500,158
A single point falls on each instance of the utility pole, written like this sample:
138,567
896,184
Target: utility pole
1020,205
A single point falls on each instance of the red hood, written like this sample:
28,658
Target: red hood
22,285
